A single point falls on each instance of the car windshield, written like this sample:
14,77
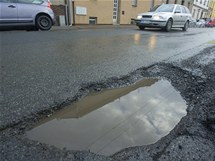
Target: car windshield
154,8
165,8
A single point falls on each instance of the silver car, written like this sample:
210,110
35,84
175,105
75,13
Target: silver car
33,13
165,16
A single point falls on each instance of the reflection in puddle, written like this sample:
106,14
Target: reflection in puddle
108,121
137,38
152,42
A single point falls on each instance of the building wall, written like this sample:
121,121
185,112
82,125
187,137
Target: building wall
102,9
212,7
200,9
129,12
57,2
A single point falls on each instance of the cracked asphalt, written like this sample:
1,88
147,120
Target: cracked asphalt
44,71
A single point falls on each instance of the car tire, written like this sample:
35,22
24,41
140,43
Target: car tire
168,25
186,25
43,22
141,27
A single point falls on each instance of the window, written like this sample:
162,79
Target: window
182,2
194,12
200,1
188,4
178,9
92,20
134,3
30,1
165,8
115,9
7,1
188,11
183,10
204,2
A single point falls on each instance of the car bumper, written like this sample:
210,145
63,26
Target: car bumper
150,23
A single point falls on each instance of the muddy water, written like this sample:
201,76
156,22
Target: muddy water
105,122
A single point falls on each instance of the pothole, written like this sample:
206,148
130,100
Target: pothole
108,121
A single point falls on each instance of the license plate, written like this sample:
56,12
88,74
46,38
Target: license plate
143,21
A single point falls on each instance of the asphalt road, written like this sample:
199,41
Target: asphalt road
40,70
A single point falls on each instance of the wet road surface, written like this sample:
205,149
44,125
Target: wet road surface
40,70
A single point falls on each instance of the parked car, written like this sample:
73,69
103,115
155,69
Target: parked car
192,23
165,16
33,13
200,23
210,23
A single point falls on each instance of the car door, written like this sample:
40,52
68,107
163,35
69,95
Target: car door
8,12
27,10
177,17
185,15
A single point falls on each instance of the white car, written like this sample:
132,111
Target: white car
200,23
165,16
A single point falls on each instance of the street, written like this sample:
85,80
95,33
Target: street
44,71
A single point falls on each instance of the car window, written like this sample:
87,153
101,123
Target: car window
178,9
165,8
30,1
188,11
7,1
183,10
154,8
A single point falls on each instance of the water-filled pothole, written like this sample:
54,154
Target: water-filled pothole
107,121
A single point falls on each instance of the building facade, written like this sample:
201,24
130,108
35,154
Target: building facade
107,11
200,9
212,9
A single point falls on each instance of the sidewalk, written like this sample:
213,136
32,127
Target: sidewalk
75,27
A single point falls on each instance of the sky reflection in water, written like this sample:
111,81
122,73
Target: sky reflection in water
147,111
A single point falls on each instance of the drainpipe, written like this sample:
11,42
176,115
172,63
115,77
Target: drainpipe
69,7
73,9
152,4
70,12
119,12
66,14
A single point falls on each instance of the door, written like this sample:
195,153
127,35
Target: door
8,12
27,9
177,17
185,15
115,11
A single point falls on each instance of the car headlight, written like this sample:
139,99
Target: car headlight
139,17
156,17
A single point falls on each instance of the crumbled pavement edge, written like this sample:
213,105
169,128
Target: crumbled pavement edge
193,138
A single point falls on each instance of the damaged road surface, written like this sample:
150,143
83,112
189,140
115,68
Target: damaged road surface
44,75
108,121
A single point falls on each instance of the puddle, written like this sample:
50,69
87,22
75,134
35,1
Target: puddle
108,121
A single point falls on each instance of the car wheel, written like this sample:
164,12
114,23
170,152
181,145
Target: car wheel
43,22
186,25
168,25
141,27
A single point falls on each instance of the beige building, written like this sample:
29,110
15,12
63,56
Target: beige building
212,8
109,11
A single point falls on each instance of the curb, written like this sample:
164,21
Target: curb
77,27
